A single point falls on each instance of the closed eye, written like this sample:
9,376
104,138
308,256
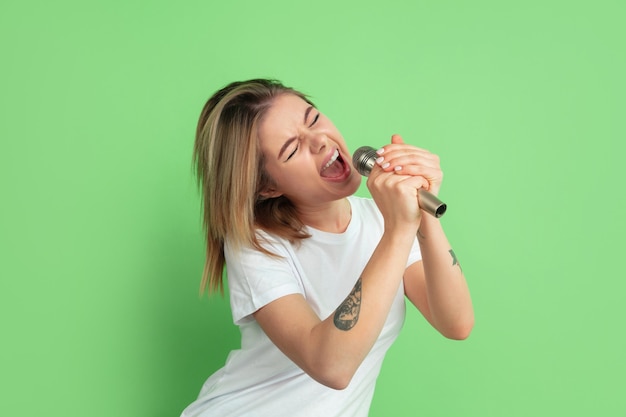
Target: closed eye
317,116
292,153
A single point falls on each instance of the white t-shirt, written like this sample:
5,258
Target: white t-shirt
258,379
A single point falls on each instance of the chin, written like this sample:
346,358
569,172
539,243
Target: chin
353,183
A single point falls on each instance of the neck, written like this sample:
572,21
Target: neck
332,217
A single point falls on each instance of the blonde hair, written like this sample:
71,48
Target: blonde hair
230,169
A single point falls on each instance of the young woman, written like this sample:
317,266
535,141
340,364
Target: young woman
317,277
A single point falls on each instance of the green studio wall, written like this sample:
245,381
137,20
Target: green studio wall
101,243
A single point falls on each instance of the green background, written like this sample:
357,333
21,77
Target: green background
101,245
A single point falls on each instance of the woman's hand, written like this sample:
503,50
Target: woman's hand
400,171
396,197
406,159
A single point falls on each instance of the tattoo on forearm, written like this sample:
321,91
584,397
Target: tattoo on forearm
455,261
347,314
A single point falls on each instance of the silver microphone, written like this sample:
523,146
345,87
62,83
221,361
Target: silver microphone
364,159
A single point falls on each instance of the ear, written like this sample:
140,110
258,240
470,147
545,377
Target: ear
270,193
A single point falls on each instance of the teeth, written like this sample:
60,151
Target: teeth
332,159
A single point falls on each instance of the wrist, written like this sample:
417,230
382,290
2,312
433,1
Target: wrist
400,236
428,226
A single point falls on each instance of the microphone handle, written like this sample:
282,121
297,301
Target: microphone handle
430,203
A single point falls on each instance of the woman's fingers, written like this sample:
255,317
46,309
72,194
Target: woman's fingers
409,160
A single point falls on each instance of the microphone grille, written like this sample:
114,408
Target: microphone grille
363,159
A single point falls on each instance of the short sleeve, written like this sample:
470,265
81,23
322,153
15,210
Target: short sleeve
255,279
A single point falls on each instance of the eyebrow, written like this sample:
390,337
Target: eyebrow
306,113
290,140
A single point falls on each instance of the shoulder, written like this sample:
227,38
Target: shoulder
269,243
256,278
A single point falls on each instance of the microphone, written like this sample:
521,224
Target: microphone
364,159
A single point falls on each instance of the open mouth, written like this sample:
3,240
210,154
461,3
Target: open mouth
335,168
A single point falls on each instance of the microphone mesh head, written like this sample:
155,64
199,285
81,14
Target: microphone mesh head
363,159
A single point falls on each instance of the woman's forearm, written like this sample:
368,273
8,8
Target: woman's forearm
447,292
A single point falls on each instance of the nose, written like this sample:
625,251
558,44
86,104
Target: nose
317,141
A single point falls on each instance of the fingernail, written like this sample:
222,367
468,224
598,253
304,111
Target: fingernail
398,168
380,151
385,165
379,160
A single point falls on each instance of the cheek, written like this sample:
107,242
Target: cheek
271,166
281,178
296,180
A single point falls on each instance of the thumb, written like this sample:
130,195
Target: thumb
396,139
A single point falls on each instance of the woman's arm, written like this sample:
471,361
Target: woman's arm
331,350
436,285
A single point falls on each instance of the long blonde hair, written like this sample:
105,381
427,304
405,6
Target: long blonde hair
230,169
